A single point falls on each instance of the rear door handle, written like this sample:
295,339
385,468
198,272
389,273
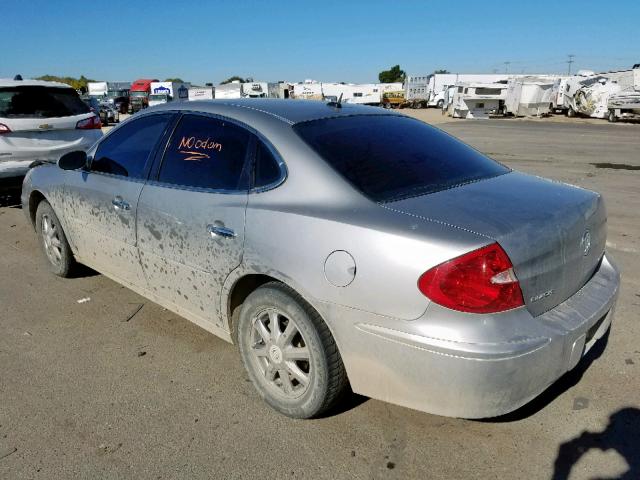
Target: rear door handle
220,231
120,204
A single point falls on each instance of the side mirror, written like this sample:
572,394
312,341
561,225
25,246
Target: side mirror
73,160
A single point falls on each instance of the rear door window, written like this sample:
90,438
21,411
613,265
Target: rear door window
126,151
208,153
40,102
389,157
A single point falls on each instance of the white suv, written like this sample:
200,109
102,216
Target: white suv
41,121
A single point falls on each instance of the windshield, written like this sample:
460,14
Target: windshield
117,93
40,102
138,94
388,157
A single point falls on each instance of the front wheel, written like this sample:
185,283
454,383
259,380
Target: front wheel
612,116
53,240
289,352
440,104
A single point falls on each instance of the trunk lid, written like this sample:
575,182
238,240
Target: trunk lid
554,233
45,138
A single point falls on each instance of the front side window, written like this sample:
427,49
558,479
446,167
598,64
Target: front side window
389,157
207,153
126,151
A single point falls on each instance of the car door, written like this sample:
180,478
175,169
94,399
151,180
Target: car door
104,198
191,216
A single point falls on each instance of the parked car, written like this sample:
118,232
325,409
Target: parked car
41,121
108,113
339,244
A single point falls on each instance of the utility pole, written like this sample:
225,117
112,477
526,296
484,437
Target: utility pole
569,62
506,66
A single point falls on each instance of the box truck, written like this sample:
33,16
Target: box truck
164,92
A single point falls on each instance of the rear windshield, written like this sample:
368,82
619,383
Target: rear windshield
40,102
390,157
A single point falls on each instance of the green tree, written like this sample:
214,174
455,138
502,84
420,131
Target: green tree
177,80
76,83
441,71
232,79
394,74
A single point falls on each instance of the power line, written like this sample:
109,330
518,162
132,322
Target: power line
569,62
506,66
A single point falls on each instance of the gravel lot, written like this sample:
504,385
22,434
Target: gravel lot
117,387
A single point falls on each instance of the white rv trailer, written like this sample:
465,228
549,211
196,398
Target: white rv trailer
589,95
307,91
364,94
440,82
254,90
229,90
528,96
201,93
626,103
478,100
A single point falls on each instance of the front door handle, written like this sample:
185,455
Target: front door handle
220,231
120,204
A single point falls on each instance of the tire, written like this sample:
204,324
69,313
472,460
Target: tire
440,104
612,117
309,379
53,240
571,113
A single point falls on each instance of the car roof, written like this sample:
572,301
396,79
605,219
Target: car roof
8,82
287,110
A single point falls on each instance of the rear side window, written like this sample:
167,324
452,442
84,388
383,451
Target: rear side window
267,169
207,153
126,151
389,157
40,102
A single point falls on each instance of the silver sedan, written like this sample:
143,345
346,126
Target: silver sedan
339,245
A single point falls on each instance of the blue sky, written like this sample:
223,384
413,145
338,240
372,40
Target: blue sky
325,40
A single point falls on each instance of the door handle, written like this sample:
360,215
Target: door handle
119,204
220,231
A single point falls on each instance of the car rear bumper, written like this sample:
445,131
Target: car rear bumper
472,366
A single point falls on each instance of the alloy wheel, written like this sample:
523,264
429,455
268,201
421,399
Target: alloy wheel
51,238
280,352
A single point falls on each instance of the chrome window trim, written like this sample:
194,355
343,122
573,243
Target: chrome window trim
189,188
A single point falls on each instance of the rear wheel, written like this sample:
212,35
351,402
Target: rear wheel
571,113
289,353
53,240
440,104
612,116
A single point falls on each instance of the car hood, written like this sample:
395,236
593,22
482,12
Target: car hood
554,233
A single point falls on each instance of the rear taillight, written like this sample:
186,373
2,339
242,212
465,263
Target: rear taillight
4,129
481,281
89,123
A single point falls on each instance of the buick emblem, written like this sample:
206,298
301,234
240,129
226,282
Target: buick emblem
585,243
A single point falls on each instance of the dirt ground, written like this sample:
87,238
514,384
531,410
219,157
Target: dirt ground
97,382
